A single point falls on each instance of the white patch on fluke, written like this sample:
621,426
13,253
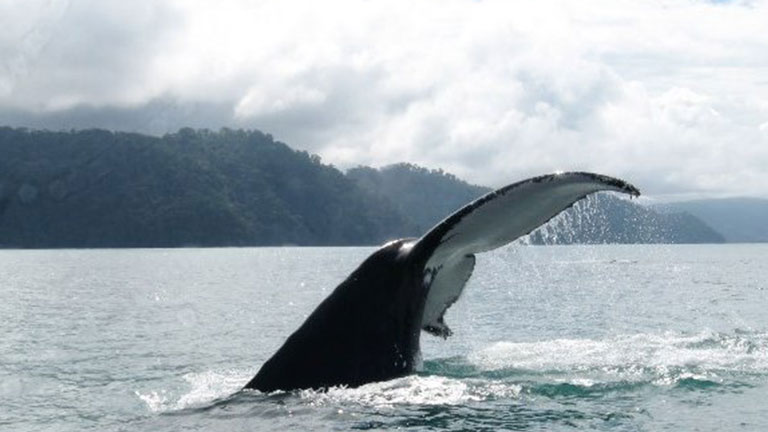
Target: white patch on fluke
446,287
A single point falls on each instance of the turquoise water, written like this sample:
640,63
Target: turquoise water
545,338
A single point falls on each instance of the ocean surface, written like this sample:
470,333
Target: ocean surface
620,338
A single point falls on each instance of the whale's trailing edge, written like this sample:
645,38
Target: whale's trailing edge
368,328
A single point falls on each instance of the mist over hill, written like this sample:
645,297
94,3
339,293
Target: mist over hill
96,188
738,219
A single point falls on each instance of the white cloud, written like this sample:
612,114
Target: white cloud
85,52
274,99
670,94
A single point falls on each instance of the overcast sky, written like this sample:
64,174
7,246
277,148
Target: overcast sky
671,95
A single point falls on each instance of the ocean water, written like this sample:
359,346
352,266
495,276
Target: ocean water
620,338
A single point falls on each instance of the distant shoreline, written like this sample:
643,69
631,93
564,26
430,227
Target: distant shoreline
98,189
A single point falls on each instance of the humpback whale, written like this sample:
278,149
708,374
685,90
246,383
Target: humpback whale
368,328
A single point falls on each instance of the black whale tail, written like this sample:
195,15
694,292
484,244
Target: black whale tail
368,328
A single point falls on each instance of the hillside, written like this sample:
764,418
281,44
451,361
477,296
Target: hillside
96,188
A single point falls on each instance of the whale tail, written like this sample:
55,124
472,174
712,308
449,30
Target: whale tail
492,221
368,328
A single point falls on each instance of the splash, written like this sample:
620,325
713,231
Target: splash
414,390
155,401
209,386
200,389
606,218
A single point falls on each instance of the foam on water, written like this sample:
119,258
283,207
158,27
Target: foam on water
706,348
664,359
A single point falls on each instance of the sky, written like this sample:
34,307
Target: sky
671,95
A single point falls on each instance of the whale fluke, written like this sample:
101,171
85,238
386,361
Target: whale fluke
368,328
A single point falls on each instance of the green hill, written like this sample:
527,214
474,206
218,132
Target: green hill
96,188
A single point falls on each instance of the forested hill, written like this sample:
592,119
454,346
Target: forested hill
95,188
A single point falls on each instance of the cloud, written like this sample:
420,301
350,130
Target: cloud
87,52
670,94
